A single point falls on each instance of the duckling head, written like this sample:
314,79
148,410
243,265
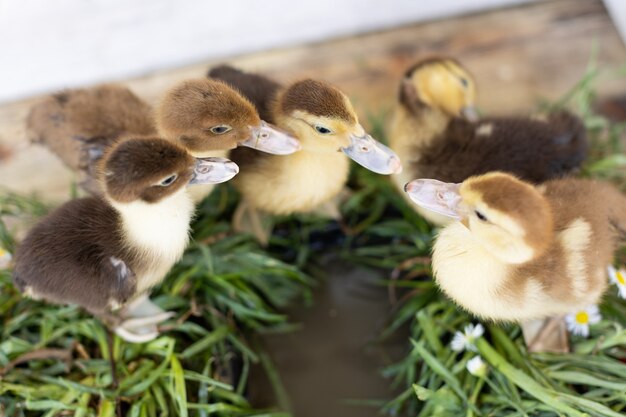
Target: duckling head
205,115
324,121
510,218
151,169
442,84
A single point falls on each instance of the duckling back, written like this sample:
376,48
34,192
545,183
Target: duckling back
258,89
77,125
74,246
590,224
532,149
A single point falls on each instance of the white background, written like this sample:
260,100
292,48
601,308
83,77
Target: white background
46,45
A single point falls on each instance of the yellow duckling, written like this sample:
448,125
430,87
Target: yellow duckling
325,123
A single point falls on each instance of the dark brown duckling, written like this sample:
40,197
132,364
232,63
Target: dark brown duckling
106,252
207,117
437,134
325,123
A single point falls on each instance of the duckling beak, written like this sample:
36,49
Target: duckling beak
440,197
213,171
373,155
267,138
470,113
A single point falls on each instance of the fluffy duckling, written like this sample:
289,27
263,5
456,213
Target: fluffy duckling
324,121
518,252
437,134
105,252
207,117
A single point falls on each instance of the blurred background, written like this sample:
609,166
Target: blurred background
520,52
67,43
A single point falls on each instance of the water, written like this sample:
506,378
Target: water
334,361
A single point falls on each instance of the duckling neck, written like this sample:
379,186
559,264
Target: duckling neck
152,224
157,232
410,134
413,131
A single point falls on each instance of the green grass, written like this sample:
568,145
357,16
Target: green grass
227,292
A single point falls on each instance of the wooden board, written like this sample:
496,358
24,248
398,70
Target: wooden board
518,56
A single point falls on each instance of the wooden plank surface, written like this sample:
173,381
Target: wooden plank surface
518,56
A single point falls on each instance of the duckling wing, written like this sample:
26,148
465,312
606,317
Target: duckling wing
76,255
258,89
78,125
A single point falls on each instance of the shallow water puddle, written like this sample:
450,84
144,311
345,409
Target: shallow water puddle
333,361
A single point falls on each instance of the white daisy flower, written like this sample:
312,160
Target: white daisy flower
579,321
618,277
467,338
476,366
5,258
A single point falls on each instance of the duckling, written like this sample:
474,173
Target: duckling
105,252
518,252
207,117
324,121
437,133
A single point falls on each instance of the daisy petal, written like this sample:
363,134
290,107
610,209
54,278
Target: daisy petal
476,366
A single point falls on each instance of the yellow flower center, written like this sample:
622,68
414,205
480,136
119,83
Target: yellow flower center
582,317
620,278
2,252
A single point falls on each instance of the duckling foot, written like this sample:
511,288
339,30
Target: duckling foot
546,335
248,219
140,319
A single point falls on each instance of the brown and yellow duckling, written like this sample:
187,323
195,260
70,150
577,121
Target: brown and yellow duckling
105,252
518,252
325,123
205,116
437,134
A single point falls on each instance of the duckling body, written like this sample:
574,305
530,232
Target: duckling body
522,252
105,251
323,119
95,255
297,184
78,125
433,137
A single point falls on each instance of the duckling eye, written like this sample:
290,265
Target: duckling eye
480,216
220,129
322,129
168,181
464,82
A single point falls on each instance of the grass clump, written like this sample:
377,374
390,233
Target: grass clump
226,291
